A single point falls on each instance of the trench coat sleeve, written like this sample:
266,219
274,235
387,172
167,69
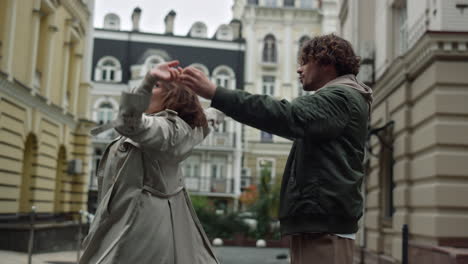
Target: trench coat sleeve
152,132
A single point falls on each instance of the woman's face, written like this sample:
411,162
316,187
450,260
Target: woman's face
156,99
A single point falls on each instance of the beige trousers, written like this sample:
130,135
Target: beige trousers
321,249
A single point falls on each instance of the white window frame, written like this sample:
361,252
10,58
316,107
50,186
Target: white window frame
152,61
227,81
268,87
107,70
99,102
269,51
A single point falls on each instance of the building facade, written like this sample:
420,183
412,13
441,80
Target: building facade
44,120
122,58
415,55
274,32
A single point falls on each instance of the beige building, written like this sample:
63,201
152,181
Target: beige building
44,142
274,31
416,56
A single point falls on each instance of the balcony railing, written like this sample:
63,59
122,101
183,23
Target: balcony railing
219,140
207,185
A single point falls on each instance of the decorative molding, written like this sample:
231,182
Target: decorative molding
168,40
432,46
23,94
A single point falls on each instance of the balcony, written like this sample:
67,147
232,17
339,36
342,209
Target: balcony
210,186
218,140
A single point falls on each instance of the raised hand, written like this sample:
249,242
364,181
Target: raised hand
166,71
198,82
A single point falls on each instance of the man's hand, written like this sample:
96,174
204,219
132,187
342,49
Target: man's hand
198,82
165,71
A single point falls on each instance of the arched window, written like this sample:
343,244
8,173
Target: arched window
105,113
152,61
224,32
108,69
201,67
224,76
303,40
112,21
269,49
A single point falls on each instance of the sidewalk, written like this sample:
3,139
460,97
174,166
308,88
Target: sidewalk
13,257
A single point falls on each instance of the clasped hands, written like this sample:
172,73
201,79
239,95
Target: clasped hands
191,77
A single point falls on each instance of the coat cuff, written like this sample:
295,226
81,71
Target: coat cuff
221,99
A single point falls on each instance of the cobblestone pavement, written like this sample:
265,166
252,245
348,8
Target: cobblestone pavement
226,255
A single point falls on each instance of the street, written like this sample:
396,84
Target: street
226,255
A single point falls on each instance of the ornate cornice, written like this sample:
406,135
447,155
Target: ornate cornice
22,93
432,46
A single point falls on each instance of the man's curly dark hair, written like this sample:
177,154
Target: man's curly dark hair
331,49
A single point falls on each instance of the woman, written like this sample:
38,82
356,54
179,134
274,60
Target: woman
144,213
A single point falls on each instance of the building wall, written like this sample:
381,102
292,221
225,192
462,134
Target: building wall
41,59
422,88
288,25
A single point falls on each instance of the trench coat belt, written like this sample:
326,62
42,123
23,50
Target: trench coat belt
161,194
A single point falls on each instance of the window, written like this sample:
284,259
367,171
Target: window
269,49
222,127
266,137
403,29
224,32
224,76
253,2
108,70
288,3
268,86
198,30
192,166
307,3
152,61
302,41
218,167
270,3
222,79
202,68
112,21
105,113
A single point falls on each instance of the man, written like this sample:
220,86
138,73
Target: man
321,200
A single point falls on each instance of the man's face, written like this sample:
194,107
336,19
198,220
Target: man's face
311,76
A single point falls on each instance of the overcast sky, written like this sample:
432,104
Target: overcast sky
212,12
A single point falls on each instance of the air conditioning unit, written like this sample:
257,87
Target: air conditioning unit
75,166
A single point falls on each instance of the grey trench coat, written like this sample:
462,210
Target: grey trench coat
145,214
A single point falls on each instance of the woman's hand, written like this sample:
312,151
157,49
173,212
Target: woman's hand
165,71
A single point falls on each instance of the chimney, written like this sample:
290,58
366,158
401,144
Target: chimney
169,22
236,26
136,15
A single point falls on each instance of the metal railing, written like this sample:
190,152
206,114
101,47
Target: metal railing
32,222
210,185
219,139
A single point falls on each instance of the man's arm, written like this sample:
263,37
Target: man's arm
322,115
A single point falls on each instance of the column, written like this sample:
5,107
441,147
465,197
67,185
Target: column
36,23
9,39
